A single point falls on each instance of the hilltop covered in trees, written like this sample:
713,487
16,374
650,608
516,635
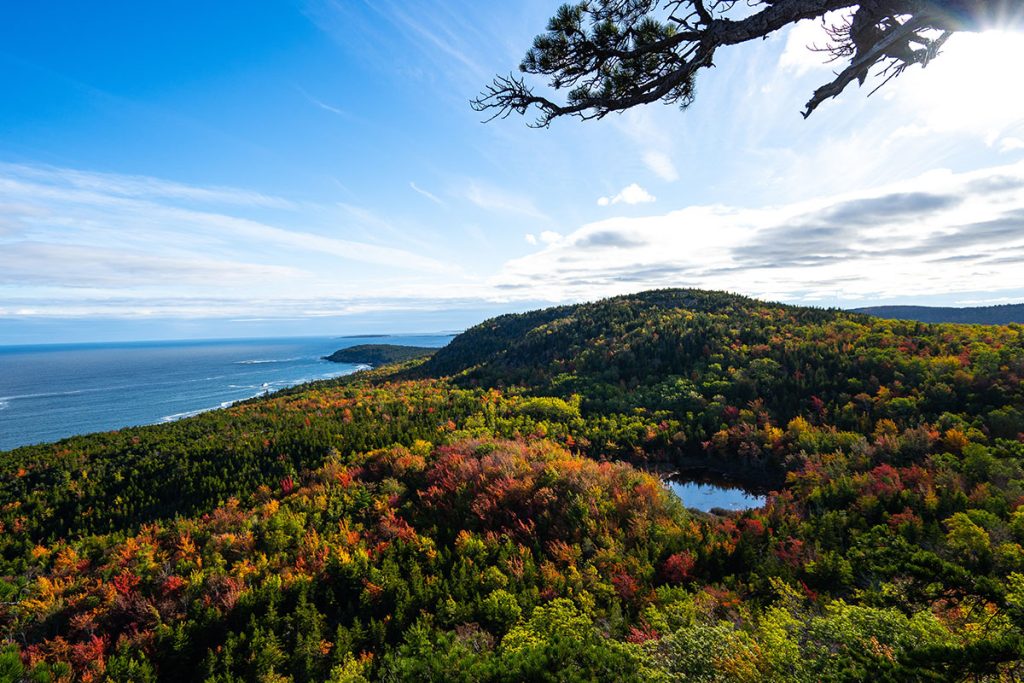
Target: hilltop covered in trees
475,516
378,354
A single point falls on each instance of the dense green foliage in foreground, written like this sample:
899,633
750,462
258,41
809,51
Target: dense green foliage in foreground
461,518
379,354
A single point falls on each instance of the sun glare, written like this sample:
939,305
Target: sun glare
973,83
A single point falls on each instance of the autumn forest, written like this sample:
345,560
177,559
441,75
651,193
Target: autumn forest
493,512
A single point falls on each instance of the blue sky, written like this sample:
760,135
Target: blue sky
304,167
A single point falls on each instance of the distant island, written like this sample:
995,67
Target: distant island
974,315
378,354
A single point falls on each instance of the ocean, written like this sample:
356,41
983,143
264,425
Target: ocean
54,391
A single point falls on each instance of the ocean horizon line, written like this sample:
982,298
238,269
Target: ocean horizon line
7,347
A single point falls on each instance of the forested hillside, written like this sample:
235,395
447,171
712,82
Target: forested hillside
378,354
479,515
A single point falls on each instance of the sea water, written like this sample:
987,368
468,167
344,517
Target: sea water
54,391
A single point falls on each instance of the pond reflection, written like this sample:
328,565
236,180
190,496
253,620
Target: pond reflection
706,493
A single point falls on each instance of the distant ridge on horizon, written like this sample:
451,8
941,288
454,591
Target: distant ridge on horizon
1002,314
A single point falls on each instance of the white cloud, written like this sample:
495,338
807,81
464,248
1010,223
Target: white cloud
631,194
661,165
804,43
546,237
940,232
1010,144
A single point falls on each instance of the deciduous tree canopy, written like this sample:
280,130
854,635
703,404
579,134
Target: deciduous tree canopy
463,518
611,55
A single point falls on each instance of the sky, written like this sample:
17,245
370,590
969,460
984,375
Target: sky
232,169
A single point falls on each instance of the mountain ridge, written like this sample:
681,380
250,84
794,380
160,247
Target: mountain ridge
1002,314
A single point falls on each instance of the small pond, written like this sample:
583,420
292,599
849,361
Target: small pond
705,492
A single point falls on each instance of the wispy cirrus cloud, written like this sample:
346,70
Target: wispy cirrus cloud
71,265
63,205
448,43
97,236
438,36
424,193
661,165
492,198
54,182
317,102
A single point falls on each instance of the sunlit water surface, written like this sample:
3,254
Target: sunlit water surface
708,495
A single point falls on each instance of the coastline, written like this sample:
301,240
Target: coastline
48,394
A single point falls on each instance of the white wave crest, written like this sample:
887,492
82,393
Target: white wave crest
265,361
